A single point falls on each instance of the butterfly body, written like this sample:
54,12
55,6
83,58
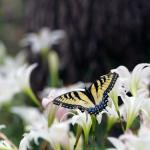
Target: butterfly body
93,99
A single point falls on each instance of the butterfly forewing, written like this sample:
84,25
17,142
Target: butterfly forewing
103,84
74,99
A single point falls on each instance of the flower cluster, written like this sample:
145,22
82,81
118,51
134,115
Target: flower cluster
124,123
135,106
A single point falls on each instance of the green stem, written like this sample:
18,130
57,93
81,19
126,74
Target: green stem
51,115
53,63
121,121
44,54
30,93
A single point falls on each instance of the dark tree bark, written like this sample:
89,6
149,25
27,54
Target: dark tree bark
102,34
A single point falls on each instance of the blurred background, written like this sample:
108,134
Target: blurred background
100,34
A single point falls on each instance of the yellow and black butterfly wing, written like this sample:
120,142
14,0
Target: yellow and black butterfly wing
74,99
101,87
93,99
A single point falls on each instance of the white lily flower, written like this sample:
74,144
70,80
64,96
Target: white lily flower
22,75
139,78
112,115
137,83
56,134
8,88
36,119
84,120
117,143
11,64
43,40
132,107
9,80
37,127
115,111
18,79
130,141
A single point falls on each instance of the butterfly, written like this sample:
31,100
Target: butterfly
93,99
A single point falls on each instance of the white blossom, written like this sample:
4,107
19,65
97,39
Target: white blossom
57,133
139,78
22,76
14,81
43,40
130,141
84,120
35,119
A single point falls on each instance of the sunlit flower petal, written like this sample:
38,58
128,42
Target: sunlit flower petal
137,79
11,64
22,80
23,74
117,143
132,107
56,134
112,116
84,120
8,89
99,117
36,119
8,81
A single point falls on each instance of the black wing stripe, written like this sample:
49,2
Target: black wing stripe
65,96
96,86
77,95
90,96
70,96
104,79
101,83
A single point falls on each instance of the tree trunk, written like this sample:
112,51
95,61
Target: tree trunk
102,34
